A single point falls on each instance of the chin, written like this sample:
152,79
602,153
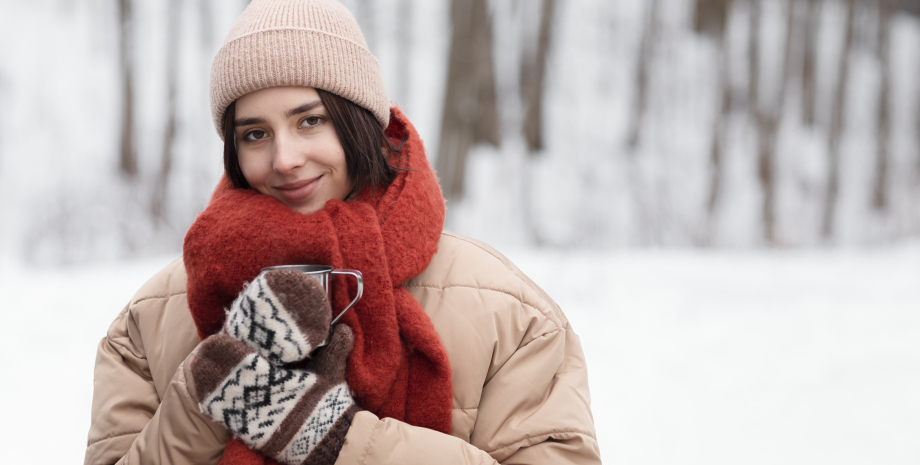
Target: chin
306,209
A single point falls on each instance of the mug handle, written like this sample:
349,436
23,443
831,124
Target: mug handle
358,277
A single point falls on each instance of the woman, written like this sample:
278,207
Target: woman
451,356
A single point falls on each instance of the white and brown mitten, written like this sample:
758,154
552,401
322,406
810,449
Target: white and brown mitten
295,416
244,378
282,314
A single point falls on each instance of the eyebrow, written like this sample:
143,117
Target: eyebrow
294,111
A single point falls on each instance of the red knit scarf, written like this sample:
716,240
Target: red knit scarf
398,367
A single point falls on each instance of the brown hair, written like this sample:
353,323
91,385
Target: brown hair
363,141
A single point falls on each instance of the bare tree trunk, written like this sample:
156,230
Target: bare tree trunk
768,115
838,122
711,18
645,58
880,192
470,108
759,118
533,78
127,151
158,204
754,14
910,6
809,61
648,219
533,75
719,129
913,7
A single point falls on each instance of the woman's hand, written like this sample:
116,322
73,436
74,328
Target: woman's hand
283,315
291,415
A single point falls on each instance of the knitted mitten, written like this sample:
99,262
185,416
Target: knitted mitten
291,415
283,314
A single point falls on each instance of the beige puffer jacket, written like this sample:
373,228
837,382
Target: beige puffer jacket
520,381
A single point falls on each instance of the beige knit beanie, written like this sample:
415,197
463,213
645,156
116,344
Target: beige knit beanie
312,43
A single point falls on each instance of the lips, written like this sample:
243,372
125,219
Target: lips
298,190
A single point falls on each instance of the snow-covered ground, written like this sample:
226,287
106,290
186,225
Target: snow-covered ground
694,356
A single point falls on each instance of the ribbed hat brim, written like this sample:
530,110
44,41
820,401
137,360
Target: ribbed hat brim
296,57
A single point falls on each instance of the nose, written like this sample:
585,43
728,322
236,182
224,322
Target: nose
288,155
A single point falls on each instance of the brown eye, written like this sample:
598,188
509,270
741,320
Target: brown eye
311,122
255,135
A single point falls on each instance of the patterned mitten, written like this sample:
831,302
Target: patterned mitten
283,315
293,416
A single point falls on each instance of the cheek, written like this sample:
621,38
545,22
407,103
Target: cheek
335,159
334,155
340,164
253,168
341,168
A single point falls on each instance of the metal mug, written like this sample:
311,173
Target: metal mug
321,273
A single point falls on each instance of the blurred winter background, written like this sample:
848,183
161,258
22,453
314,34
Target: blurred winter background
723,195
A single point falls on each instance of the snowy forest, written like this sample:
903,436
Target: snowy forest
723,196
589,123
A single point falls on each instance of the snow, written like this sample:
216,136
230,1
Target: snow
746,357
694,356
715,356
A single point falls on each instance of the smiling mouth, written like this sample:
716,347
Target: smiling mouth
298,190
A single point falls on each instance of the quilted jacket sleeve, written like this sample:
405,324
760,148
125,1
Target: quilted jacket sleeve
522,422
117,419
519,373
178,433
142,410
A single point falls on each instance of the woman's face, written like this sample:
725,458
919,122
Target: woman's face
288,148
